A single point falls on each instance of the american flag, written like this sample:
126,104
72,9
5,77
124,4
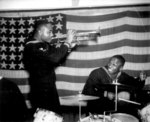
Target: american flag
124,30
14,32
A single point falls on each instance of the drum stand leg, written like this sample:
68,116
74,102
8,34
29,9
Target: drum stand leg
79,111
80,94
116,97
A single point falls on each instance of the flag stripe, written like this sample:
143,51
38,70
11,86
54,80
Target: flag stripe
107,53
112,45
94,63
108,24
14,74
114,16
86,71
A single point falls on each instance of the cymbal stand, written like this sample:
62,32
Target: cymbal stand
79,111
80,106
104,119
116,95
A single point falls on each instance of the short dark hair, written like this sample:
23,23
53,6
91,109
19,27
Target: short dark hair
37,25
120,57
40,23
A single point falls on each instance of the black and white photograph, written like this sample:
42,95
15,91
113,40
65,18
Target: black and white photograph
74,60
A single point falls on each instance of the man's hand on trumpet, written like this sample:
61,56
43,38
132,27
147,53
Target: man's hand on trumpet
71,38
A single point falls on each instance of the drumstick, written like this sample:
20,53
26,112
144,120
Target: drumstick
129,101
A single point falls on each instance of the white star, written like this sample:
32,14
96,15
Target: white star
21,21
12,22
3,56
20,56
21,30
21,39
50,19
12,57
59,26
59,17
21,65
3,39
3,30
3,48
3,21
12,30
58,44
21,48
12,65
12,39
58,34
12,48
3,65
31,21
30,29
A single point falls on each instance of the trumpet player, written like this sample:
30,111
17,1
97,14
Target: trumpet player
40,59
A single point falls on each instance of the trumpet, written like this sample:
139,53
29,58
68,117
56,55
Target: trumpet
91,35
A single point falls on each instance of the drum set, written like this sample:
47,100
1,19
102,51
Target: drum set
113,115
42,115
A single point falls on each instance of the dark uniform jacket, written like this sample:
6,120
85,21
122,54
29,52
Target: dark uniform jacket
40,60
99,81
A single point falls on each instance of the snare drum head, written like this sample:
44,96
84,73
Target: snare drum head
42,115
123,117
96,118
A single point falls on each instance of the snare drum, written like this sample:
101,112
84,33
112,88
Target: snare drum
96,118
145,113
123,117
42,115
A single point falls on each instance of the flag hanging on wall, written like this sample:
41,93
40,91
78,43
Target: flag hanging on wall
124,31
14,32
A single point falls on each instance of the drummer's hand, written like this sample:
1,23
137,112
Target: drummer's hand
123,95
110,95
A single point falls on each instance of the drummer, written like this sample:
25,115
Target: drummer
96,85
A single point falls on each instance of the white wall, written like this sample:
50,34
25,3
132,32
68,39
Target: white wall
55,4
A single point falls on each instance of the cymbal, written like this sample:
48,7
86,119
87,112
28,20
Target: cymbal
111,86
80,97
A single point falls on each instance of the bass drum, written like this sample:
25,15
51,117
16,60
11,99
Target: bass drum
123,117
145,113
42,115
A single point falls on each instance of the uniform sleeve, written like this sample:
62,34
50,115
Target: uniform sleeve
89,86
46,52
92,85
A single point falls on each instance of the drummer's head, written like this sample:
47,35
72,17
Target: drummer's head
115,64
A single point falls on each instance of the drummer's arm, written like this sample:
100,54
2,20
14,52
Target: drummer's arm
88,88
91,87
